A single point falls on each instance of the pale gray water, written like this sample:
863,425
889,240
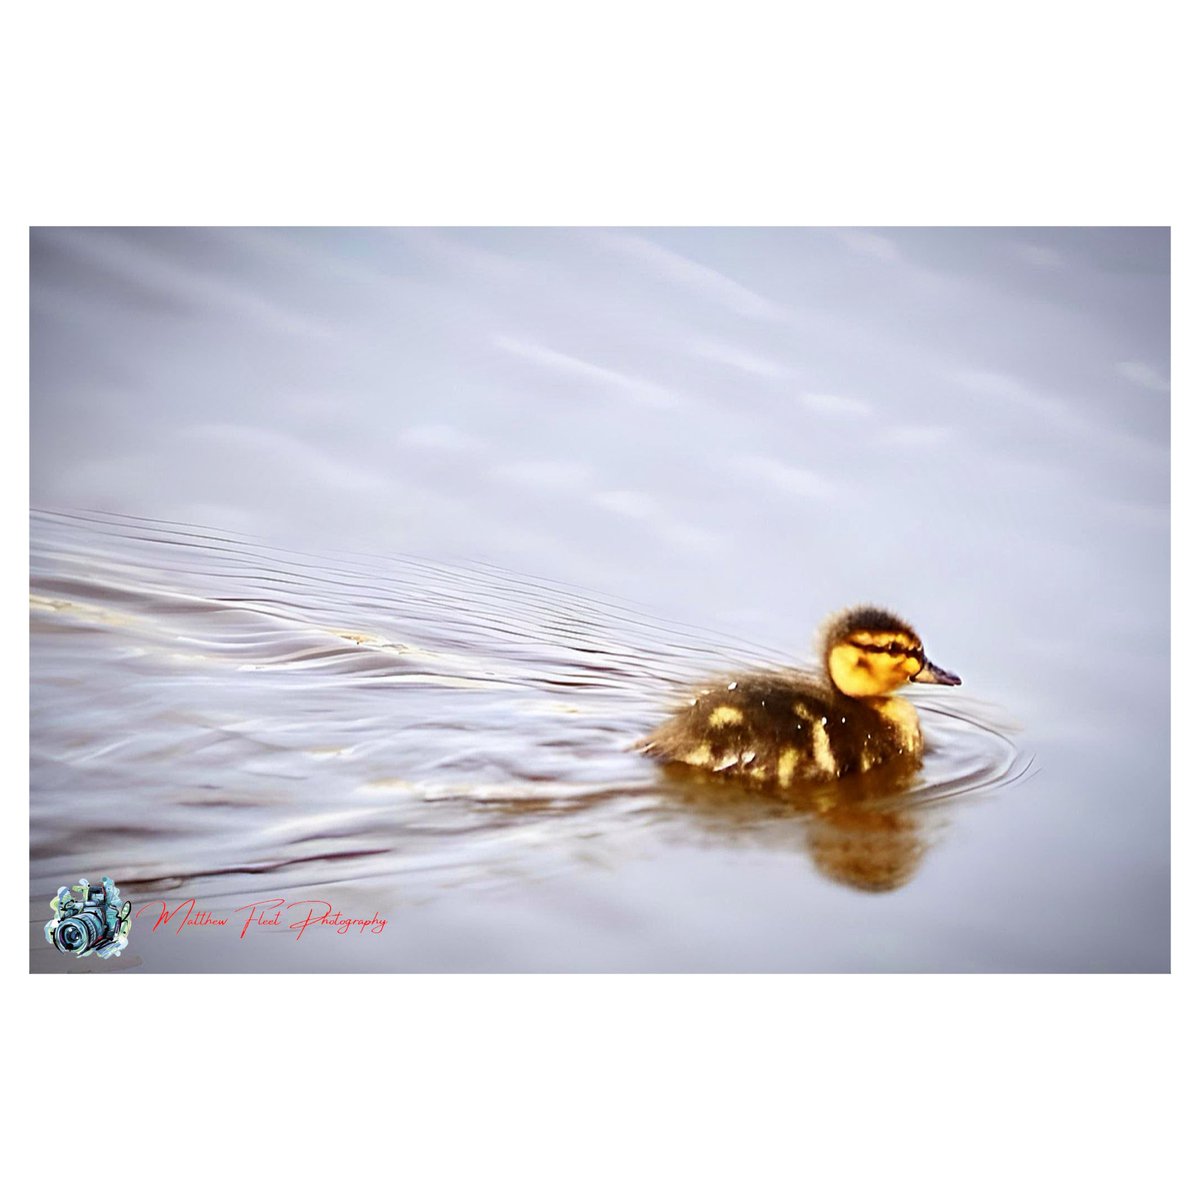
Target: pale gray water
278,673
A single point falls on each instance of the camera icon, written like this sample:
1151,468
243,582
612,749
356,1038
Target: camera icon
92,922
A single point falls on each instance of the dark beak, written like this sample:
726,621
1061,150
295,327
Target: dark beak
931,674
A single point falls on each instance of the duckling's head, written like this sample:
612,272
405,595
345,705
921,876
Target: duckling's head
871,652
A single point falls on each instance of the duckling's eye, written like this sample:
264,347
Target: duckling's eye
893,647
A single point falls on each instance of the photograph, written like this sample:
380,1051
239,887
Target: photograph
722,599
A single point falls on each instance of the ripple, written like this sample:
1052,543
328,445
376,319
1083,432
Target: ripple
253,711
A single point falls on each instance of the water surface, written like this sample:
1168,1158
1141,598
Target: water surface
360,558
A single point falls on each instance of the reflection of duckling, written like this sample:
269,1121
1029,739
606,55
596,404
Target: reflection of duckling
780,728
874,850
858,831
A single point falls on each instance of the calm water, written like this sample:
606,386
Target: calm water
360,558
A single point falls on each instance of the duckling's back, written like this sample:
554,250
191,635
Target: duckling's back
781,728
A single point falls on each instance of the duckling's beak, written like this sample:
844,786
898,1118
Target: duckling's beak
933,674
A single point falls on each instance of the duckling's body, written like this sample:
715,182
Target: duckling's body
776,729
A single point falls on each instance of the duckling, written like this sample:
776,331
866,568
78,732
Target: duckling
776,729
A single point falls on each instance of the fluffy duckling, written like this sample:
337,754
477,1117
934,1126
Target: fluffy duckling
779,728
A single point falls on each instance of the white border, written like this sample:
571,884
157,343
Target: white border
302,113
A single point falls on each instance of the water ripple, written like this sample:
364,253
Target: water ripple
206,710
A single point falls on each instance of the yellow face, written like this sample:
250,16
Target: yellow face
874,664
